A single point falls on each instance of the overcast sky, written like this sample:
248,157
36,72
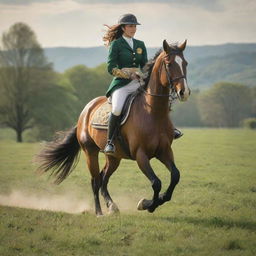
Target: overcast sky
80,22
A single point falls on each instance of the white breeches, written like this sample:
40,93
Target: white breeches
118,96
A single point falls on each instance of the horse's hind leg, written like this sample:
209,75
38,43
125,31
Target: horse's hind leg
91,154
110,167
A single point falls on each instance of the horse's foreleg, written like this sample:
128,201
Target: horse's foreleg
111,165
144,165
175,177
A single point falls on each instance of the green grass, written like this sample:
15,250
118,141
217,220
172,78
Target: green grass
212,211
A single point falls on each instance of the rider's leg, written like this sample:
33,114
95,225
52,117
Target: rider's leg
118,98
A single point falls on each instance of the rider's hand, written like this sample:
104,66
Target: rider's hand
134,76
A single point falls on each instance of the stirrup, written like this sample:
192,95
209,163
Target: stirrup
110,148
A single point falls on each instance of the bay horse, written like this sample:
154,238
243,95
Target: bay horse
148,133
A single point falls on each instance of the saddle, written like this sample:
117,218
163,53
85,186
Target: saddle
101,115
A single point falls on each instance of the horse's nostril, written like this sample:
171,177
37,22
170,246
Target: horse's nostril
181,93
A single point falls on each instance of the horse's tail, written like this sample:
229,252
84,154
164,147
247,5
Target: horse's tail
60,155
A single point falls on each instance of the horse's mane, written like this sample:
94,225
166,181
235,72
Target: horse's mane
147,69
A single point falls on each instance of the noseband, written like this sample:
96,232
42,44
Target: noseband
173,94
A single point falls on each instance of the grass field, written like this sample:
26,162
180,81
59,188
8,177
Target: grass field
213,211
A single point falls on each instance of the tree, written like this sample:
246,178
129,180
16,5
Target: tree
225,105
53,108
187,114
24,70
88,83
253,93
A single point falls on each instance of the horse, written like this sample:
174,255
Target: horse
148,133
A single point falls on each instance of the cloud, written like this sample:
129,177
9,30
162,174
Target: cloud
25,2
210,5
207,4
77,23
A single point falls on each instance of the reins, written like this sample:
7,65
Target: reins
173,94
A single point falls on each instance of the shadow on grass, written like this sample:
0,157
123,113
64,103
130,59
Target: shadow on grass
213,222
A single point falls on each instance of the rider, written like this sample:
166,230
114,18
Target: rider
125,59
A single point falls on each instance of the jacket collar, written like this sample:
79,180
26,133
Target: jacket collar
125,44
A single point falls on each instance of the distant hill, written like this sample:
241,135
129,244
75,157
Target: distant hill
207,64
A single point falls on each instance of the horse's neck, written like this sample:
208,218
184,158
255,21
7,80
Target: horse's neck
157,105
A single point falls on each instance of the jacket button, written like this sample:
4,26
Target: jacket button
134,58
134,63
133,53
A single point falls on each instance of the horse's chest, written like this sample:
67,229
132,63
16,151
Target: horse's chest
153,142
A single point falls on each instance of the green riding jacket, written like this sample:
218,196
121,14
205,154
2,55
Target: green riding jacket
121,55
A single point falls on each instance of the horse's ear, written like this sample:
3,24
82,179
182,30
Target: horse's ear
183,46
166,47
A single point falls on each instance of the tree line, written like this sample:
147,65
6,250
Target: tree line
34,97
224,104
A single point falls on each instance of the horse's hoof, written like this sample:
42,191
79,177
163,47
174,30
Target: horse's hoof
113,209
140,205
143,204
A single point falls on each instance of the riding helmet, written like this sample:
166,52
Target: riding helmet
128,19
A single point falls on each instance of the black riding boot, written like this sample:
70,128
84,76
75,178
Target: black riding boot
113,124
177,133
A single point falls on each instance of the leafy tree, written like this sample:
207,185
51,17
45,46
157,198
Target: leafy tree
253,93
22,65
187,114
30,96
249,123
225,105
88,83
53,109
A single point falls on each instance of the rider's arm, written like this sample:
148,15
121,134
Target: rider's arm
113,62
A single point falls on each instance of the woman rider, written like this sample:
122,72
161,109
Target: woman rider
125,59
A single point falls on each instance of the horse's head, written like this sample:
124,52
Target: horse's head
173,70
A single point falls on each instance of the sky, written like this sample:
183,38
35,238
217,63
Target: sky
79,23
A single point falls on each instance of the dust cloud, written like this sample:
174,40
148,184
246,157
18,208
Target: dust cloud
62,203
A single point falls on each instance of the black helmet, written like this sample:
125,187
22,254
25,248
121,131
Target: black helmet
128,19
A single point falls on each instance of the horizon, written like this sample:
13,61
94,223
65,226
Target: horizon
230,43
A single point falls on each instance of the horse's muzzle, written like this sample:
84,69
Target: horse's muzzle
183,94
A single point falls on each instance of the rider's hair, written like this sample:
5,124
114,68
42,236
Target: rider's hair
113,32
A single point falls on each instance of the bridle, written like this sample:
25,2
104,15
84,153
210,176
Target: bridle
172,94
